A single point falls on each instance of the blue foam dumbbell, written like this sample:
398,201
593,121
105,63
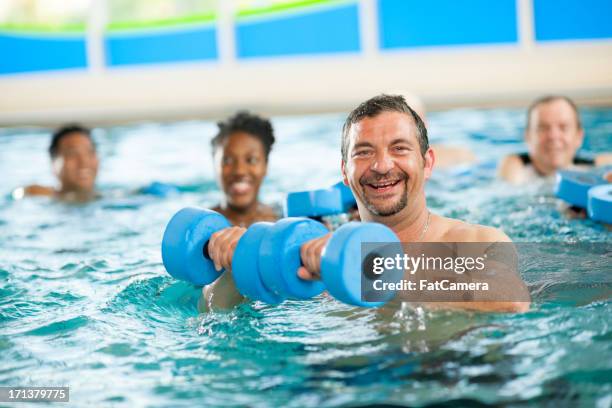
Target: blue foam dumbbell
342,262
348,199
185,254
343,269
184,250
267,257
600,203
315,203
573,186
336,199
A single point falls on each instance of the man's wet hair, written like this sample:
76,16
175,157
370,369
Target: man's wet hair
377,105
243,121
64,131
551,98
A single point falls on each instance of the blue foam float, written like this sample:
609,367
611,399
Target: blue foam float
573,186
600,203
159,189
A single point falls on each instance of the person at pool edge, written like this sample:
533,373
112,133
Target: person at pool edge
553,136
74,161
241,150
386,161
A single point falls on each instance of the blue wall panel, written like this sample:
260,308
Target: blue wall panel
572,19
152,47
27,53
319,31
419,23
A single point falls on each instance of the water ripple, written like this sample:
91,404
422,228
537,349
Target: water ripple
59,327
85,301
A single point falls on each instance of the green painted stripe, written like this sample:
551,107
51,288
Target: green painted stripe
170,22
248,12
44,28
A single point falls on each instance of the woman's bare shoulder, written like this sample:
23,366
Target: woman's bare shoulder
267,213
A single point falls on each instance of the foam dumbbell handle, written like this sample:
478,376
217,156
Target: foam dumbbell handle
280,257
184,245
343,260
245,265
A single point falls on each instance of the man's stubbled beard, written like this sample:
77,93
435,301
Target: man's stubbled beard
391,176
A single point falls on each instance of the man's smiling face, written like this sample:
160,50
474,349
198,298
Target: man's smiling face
554,135
385,167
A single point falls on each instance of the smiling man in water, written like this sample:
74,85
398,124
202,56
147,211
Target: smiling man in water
553,135
386,161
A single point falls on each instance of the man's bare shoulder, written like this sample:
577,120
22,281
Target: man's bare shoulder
603,159
461,231
511,169
449,156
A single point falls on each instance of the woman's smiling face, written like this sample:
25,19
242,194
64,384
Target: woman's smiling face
241,165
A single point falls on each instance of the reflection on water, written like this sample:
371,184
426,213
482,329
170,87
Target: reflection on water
85,302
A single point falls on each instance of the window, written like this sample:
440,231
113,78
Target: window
44,15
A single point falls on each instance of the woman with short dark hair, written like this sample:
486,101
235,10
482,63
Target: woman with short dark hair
240,151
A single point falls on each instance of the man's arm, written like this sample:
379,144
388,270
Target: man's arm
33,190
603,159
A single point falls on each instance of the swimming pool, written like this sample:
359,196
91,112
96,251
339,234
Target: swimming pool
85,301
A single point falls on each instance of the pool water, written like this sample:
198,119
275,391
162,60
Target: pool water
85,301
